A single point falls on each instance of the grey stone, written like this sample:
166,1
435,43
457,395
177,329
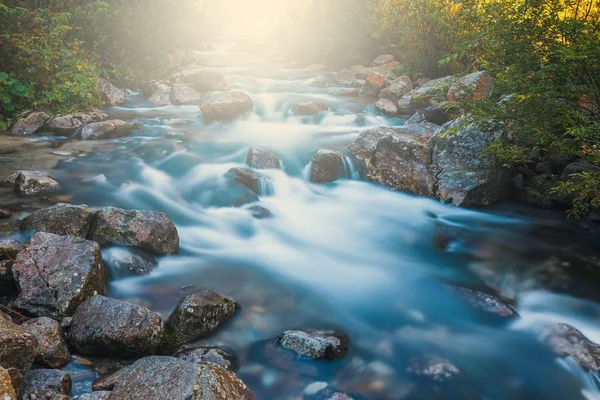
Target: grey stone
262,159
110,129
111,95
30,124
53,350
327,166
317,345
61,219
224,106
18,347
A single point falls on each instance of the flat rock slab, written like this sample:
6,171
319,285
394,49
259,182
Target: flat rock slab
53,350
57,273
159,378
317,345
60,219
196,316
18,347
148,230
103,326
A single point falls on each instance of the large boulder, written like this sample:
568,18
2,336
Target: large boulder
317,345
204,80
402,162
53,350
46,384
327,166
111,95
18,347
161,98
31,183
61,219
184,94
196,316
373,85
68,124
253,180
383,59
110,129
466,175
224,106
386,107
475,86
103,326
30,124
566,341
148,230
57,273
397,89
262,159
159,378
310,108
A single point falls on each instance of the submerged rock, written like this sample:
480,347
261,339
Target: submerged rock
224,106
68,124
259,212
159,378
327,166
386,107
317,345
60,219
128,262
57,273
148,230
111,95
46,384
208,355
435,368
31,183
18,347
249,178
566,341
184,94
110,129
103,326
53,350
30,124
487,303
196,316
310,108
262,159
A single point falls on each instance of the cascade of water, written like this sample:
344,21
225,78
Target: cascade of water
265,186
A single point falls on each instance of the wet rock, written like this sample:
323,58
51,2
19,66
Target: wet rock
7,391
68,124
224,106
57,273
31,183
184,94
18,347
345,78
148,230
249,178
53,351
262,159
435,368
205,80
386,107
487,303
466,175
151,87
436,114
61,219
475,86
329,394
383,59
46,384
16,378
161,98
30,124
310,108
208,355
99,395
402,162
196,316
366,143
327,166
397,89
110,129
566,341
159,378
344,92
111,95
317,345
373,85
128,262
360,71
259,212
103,326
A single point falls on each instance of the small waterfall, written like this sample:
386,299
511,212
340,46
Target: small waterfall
350,170
265,186
307,171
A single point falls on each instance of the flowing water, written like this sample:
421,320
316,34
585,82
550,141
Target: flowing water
354,256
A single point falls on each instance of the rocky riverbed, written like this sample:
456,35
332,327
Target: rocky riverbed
250,229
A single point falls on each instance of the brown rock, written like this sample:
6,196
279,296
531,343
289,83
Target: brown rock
53,350
18,347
